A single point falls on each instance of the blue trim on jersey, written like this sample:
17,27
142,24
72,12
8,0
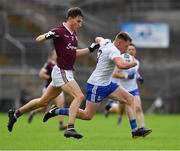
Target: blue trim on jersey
98,93
134,92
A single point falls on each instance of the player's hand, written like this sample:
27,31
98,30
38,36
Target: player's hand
51,35
93,47
131,76
141,80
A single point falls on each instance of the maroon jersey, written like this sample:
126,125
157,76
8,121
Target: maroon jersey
65,45
48,67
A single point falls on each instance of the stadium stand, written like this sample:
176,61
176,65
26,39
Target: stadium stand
25,19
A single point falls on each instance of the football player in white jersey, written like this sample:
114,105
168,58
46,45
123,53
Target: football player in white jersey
128,79
100,86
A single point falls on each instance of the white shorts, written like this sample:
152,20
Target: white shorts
60,76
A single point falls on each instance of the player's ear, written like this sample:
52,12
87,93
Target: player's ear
70,18
119,42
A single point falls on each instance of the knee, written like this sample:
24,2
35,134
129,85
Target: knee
80,97
130,100
88,117
138,109
42,103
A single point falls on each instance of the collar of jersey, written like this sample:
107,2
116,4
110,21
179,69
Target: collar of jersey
67,28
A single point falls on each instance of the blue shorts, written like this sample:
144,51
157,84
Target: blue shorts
134,92
96,93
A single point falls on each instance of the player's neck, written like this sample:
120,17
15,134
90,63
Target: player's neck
68,27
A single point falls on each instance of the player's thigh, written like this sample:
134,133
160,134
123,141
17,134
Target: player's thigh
91,108
120,94
72,88
59,100
50,93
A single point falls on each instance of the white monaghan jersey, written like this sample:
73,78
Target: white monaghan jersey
101,76
130,84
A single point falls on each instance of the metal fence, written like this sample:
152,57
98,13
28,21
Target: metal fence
15,83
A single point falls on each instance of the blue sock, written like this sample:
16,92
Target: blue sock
62,111
133,124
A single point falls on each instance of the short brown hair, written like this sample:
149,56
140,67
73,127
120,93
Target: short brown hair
132,44
124,36
74,12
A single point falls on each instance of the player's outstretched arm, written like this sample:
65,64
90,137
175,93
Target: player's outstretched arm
92,48
40,38
48,35
98,39
86,51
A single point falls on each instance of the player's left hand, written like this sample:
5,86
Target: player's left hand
141,80
93,47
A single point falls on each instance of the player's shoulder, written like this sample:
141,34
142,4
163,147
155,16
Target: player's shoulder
105,42
59,28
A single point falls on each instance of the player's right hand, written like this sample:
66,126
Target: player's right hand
131,76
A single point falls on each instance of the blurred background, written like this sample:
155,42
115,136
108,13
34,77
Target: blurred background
153,25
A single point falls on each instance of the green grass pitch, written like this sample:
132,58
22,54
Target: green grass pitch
99,134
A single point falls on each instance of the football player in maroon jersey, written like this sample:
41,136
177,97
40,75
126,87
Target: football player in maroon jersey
65,43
